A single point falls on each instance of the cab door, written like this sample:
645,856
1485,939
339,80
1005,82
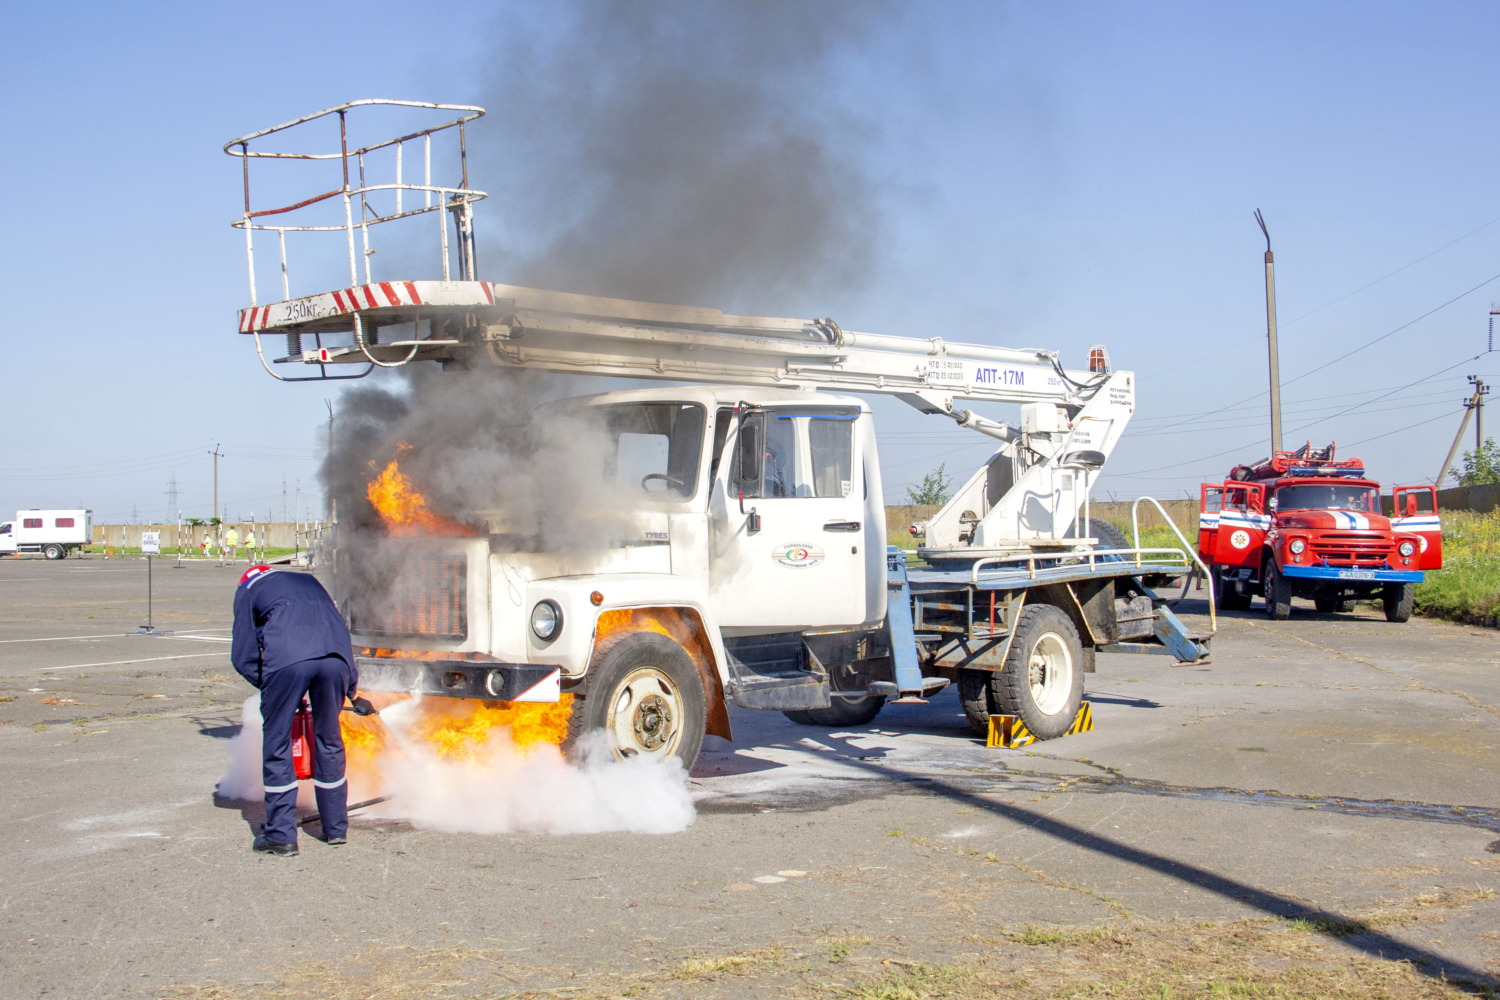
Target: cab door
1416,512
789,531
1236,526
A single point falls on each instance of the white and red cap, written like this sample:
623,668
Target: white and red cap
252,574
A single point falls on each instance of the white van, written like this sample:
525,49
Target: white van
53,533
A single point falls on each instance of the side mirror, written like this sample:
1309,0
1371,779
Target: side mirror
1411,504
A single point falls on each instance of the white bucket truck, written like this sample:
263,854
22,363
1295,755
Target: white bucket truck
758,570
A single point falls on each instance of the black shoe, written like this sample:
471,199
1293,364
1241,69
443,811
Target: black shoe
336,841
264,846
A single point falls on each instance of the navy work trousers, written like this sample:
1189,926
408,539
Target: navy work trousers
325,681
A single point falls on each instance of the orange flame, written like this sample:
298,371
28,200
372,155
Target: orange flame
455,729
403,510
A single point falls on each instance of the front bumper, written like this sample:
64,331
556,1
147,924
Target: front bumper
1346,574
460,678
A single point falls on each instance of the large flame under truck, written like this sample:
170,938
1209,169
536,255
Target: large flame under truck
753,567
1307,524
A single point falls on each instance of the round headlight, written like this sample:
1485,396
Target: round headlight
1406,549
546,620
1298,546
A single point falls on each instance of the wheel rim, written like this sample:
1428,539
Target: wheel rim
645,717
1050,672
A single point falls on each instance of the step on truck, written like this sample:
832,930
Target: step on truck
749,563
1307,524
52,533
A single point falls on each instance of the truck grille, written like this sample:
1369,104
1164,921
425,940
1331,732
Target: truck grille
1342,549
428,598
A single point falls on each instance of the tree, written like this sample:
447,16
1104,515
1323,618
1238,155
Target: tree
1482,465
935,488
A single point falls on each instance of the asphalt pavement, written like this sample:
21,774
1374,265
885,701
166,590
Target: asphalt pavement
1327,766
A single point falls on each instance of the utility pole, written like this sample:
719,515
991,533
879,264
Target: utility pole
1271,338
171,495
217,456
1477,405
1472,405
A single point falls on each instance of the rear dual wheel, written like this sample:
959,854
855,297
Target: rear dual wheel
1041,681
54,551
841,712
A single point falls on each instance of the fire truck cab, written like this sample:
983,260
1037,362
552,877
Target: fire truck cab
1305,524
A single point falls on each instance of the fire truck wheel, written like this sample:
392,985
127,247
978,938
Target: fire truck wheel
1042,680
842,712
1278,593
54,551
1327,605
1399,600
1227,596
645,695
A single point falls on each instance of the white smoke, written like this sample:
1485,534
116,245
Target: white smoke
497,789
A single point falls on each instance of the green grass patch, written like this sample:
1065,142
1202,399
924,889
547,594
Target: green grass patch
1468,585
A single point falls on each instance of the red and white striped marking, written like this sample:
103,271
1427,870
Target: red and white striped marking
362,298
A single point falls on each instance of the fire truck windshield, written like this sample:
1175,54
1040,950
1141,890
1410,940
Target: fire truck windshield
1330,496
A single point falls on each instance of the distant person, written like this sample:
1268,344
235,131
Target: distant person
290,641
232,543
250,543
205,546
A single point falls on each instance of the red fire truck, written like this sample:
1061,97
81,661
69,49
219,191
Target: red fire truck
1306,524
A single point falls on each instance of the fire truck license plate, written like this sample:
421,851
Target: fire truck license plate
1356,574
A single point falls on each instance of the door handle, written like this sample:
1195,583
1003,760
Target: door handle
841,526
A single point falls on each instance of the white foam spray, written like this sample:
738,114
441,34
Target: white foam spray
496,787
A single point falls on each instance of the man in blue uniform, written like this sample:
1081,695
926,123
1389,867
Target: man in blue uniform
290,641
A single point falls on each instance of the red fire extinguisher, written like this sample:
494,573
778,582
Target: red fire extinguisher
302,742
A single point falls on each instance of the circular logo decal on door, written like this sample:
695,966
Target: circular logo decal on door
797,556
1240,539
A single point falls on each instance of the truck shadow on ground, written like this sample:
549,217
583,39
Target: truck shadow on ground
1330,923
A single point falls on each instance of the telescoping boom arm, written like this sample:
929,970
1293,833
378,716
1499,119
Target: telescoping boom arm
1028,493
1071,419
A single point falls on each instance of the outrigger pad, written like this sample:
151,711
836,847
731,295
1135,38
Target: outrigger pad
1009,731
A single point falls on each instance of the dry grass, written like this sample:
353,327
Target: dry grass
1265,959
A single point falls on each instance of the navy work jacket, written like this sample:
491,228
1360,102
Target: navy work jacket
282,618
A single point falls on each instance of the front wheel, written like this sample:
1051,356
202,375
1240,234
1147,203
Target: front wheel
842,712
645,696
1042,679
1400,598
1278,593
54,551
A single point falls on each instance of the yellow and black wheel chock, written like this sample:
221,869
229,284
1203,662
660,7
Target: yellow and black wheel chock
1009,731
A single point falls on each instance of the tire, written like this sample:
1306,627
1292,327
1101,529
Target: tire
1327,605
1042,680
1278,593
1400,598
1345,606
843,712
1227,596
1109,536
974,695
54,551
645,695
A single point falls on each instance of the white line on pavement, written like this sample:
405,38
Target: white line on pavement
113,635
121,663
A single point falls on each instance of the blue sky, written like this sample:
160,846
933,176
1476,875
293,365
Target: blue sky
1050,175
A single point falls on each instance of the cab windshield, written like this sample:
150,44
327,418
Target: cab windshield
1329,496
